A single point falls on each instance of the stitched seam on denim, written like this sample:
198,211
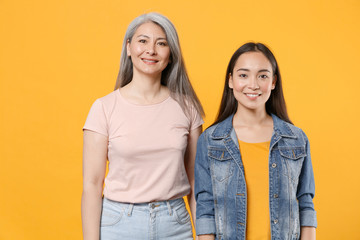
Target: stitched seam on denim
289,192
117,219
225,208
271,200
216,209
288,174
169,208
220,159
178,218
291,154
229,172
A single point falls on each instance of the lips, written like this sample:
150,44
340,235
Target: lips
149,60
252,94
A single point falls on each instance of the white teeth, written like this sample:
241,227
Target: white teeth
251,95
146,60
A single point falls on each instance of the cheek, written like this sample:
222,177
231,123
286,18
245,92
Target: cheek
238,85
136,50
238,88
267,87
166,55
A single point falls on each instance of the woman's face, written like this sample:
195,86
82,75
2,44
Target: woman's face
252,80
149,50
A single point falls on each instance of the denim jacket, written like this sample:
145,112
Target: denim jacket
220,187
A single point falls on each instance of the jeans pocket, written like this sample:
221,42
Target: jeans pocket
181,214
110,215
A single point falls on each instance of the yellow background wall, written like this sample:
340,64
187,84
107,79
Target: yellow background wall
57,57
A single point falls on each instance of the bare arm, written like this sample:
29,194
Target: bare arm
189,165
94,167
308,233
206,237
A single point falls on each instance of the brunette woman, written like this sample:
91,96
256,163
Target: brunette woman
253,171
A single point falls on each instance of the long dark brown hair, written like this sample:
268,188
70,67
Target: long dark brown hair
275,104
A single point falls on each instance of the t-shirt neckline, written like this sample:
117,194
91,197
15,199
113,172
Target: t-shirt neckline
142,105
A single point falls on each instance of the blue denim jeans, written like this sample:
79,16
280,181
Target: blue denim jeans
146,221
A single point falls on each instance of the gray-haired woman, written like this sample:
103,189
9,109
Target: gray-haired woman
147,129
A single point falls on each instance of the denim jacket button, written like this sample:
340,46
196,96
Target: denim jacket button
275,221
276,196
273,165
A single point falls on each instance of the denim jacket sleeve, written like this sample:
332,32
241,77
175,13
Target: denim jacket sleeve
205,215
306,190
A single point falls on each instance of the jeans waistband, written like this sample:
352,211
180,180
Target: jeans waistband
150,206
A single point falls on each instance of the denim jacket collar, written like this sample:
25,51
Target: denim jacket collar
225,128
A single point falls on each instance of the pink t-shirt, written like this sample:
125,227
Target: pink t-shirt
146,147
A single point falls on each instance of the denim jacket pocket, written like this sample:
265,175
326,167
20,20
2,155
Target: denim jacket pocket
293,158
293,153
221,163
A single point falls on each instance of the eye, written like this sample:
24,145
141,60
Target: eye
263,76
243,75
142,41
162,43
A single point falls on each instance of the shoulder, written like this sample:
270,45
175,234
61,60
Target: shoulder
188,108
108,99
212,132
298,132
185,102
103,106
221,129
286,129
108,102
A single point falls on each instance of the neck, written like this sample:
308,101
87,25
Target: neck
249,117
145,86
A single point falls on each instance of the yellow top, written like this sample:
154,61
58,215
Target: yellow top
255,157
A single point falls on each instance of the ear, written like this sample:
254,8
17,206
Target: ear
274,82
231,81
128,48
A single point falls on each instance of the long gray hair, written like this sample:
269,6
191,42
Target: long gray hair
174,76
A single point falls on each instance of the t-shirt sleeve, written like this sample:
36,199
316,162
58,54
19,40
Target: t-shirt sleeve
196,119
96,120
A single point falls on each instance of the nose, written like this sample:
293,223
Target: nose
253,83
151,50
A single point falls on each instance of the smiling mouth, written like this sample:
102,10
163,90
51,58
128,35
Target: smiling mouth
149,60
252,94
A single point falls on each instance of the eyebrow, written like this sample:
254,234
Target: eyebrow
247,70
145,36
243,69
142,35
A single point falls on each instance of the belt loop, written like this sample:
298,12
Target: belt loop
169,207
131,206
